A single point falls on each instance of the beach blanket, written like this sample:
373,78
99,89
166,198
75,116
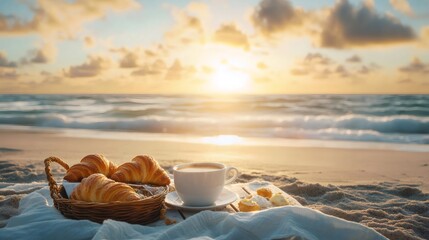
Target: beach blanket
39,220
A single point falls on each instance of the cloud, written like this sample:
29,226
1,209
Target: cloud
415,67
320,66
174,71
156,68
317,58
44,54
8,74
178,72
93,67
402,6
13,25
129,60
348,26
273,16
145,70
149,53
39,57
89,41
159,65
6,63
135,57
61,18
229,34
188,28
50,79
354,59
342,71
364,70
57,20
314,64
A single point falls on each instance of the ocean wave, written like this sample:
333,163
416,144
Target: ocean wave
400,129
352,135
118,112
381,118
392,124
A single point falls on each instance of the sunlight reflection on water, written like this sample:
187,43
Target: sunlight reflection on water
223,140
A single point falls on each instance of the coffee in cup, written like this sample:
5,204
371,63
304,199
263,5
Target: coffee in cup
200,184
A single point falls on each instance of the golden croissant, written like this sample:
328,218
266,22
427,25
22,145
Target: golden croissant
88,165
142,169
98,188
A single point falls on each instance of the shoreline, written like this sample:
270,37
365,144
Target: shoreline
315,165
212,140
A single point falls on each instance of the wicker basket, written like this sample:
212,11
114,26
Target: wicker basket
143,211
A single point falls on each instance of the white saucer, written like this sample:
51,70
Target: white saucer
226,197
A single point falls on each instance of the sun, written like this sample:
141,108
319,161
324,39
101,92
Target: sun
228,80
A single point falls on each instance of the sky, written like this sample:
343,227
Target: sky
214,46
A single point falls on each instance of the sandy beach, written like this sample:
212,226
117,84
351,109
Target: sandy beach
384,189
314,165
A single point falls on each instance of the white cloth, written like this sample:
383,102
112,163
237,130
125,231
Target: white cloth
39,220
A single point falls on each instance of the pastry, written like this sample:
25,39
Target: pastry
261,201
98,188
142,169
90,164
264,192
279,200
248,205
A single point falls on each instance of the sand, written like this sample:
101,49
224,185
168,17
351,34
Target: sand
383,189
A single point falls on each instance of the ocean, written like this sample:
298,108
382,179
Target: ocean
401,119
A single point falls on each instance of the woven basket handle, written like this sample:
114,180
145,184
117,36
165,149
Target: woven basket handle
53,187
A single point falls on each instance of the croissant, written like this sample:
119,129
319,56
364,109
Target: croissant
98,188
88,165
142,169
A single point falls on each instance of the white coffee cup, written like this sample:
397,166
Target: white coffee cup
200,184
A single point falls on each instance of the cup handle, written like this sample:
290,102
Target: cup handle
235,176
